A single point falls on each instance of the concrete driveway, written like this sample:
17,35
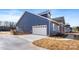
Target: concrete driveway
31,37
18,42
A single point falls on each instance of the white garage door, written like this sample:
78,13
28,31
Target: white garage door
39,29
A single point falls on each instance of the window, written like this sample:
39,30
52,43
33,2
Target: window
53,27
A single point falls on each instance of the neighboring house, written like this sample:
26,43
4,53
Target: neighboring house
37,24
67,28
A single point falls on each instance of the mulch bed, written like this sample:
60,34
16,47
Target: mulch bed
52,44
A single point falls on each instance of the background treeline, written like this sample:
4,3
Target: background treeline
7,25
75,29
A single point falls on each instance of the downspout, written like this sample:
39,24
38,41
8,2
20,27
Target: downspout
49,28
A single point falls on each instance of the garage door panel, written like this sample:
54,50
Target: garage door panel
39,29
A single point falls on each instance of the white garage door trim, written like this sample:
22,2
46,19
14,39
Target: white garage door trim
39,29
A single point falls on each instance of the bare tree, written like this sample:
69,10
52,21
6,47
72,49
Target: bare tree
77,28
12,25
6,24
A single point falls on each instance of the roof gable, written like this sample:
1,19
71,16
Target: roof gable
59,19
45,14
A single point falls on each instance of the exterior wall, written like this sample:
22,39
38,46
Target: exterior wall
54,28
28,20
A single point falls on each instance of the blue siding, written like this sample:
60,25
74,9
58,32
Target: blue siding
28,20
52,32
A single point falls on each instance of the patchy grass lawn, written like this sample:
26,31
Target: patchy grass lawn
53,44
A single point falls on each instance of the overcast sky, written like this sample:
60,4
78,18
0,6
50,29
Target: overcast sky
71,15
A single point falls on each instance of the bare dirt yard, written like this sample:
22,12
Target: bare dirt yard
77,33
60,44
5,33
